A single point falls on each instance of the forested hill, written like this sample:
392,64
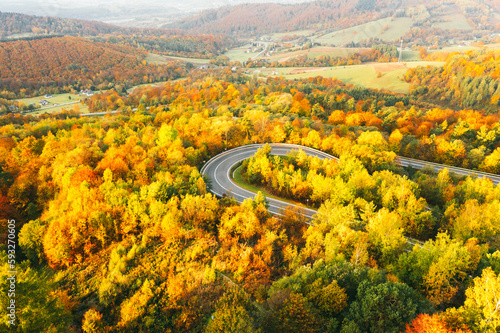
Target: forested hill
254,19
15,26
269,17
62,62
16,23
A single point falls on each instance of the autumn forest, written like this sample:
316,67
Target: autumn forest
111,225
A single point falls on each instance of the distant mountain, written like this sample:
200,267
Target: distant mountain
257,19
22,25
130,13
15,26
268,17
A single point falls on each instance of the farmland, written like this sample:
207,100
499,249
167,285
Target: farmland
156,59
396,27
361,75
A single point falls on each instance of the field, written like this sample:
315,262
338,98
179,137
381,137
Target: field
396,28
55,102
239,54
314,52
411,55
466,48
83,108
362,75
55,99
453,19
161,59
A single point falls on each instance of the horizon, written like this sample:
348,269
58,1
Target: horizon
126,13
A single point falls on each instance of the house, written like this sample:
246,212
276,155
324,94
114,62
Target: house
87,92
48,96
43,102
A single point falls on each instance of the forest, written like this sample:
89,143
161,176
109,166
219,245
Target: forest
470,79
256,19
176,42
62,64
196,46
118,229
16,23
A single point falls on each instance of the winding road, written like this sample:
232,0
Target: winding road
219,167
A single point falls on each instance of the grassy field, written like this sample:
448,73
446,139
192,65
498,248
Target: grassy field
161,59
453,19
333,51
239,54
466,48
83,108
396,28
315,52
56,99
238,179
54,103
411,55
361,75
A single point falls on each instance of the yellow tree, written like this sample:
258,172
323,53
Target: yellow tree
482,302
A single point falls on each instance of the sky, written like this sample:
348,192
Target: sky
62,7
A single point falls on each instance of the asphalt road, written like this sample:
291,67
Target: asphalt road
219,167
99,113
419,164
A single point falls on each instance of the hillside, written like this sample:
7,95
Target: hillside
263,18
61,62
193,46
21,25
15,26
331,16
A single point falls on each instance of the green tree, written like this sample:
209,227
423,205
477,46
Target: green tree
234,312
438,268
31,240
290,312
383,308
38,307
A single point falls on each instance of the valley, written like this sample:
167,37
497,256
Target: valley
315,166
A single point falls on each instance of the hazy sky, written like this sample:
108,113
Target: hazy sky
63,7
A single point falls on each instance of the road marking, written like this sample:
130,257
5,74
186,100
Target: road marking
282,151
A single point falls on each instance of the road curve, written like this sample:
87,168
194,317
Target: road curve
219,167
